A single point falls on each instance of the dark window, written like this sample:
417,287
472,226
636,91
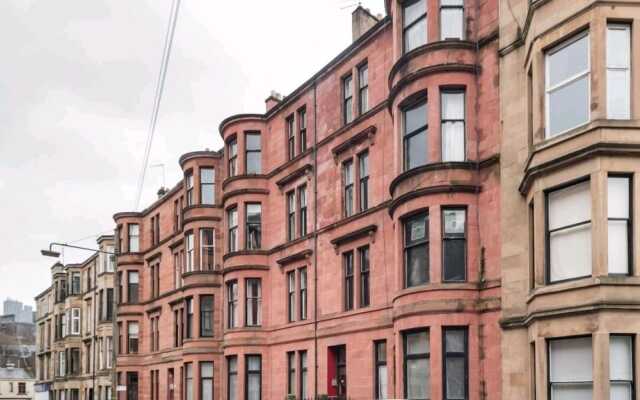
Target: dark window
22,388
454,244
253,366
253,153
302,129
291,137
363,255
416,250
206,381
303,294
454,380
347,99
109,307
414,24
176,329
302,388
188,181
415,135
291,215
133,280
339,354
232,154
232,304
176,216
363,89
416,365
302,205
291,373
291,295
206,316
207,185
254,226
207,248
347,191
189,310
232,378
132,386
451,19
253,302
75,283
232,221
347,259
380,348
363,172
452,125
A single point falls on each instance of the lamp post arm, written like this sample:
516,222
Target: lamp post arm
79,247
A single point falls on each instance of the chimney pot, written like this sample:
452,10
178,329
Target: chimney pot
273,100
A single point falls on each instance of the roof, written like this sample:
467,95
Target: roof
14,373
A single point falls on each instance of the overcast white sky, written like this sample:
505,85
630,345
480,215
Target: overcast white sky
77,80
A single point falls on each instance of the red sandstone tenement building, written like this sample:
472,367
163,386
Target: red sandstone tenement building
344,243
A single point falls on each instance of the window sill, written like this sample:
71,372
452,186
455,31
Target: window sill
583,283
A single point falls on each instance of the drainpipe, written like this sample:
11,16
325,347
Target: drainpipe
315,240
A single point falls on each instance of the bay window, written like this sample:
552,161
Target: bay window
570,368
454,244
207,186
134,238
452,124
206,380
619,224
416,250
133,281
621,367
253,226
618,71
232,155
188,182
253,301
451,19
569,232
568,74
232,221
253,153
188,381
232,377
414,121
207,247
188,240
414,24
455,379
416,365
253,369
232,304
206,316
189,323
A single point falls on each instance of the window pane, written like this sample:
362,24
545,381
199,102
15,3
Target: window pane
418,379
568,61
572,391
621,391
455,339
451,2
618,46
569,106
254,163
416,148
454,222
456,381
570,253
455,257
453,105
414,11
618,259
417,343
415,36
415,117
451,23
382,381
453,141
570,205
417,265
570,360
618,94
253,142
620,358
618,197
415,229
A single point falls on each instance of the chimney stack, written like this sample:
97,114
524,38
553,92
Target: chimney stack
361,21
273,100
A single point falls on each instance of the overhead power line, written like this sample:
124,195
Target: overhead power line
166,54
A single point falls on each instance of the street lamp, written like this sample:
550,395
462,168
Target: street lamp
51,253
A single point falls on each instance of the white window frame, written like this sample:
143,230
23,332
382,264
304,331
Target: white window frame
189,252
75,321
571,79
627,29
